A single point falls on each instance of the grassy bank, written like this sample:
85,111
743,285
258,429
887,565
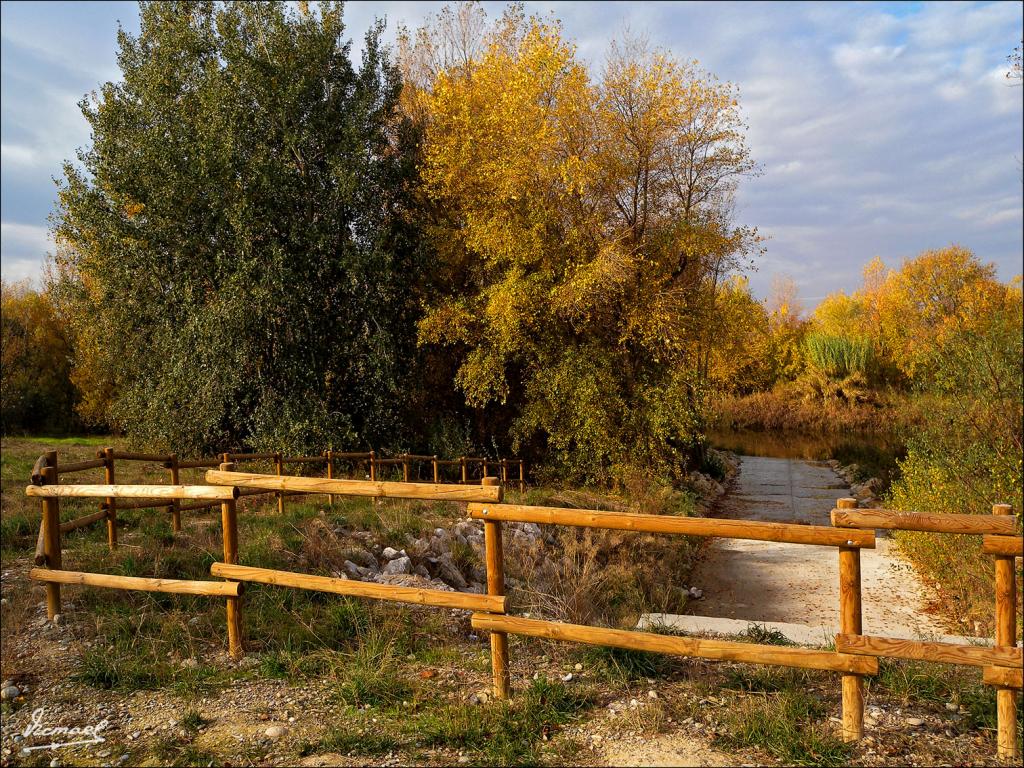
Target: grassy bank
786,409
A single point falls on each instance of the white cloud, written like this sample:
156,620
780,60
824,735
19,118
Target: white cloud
16,270
23,249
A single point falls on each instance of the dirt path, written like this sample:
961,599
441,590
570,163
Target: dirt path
797,586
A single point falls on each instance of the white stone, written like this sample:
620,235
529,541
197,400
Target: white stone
275,731
398,565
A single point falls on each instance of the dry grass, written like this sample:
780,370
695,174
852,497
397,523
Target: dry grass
786,408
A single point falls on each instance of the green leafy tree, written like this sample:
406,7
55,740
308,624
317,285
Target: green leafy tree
235,250
36,392
966,454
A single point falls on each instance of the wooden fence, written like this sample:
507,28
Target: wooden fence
410,466
855,654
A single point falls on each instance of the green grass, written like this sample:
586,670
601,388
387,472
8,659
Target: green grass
502,733
351,740
192,720
762,635
622,664
920,681
98,440
374,675
766,679
787,726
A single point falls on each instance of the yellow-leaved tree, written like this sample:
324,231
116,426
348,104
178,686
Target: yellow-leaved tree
582,228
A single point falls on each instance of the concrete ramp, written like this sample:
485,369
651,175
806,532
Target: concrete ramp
794,584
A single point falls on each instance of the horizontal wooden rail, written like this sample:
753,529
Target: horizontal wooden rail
132,491
251,456
197,505
690,526
417,457
159,458
79,466
194,463
897,520
465,600
723,650
356,487
946,653
1004,677
81,522
1010,546
151,504
175,586
350,455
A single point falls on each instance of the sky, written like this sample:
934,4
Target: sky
881,129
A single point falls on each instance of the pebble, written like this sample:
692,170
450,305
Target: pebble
567,677
952,706
9,692
58,619
579,667
915,721
275,731
652,694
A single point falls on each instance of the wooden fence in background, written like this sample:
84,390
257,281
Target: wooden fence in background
855,655
408,464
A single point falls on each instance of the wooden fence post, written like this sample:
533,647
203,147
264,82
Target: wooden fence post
405,467
176,504
436,476
496,586
522,476
1006,635
462,463
229,522
108,472
850,624
483,472
51,537
279,466
373,465
504,471
330,473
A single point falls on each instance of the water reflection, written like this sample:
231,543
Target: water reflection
884,449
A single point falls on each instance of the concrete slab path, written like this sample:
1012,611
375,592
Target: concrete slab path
793,584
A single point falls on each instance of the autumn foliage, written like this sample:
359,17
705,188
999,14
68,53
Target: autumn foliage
582,228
